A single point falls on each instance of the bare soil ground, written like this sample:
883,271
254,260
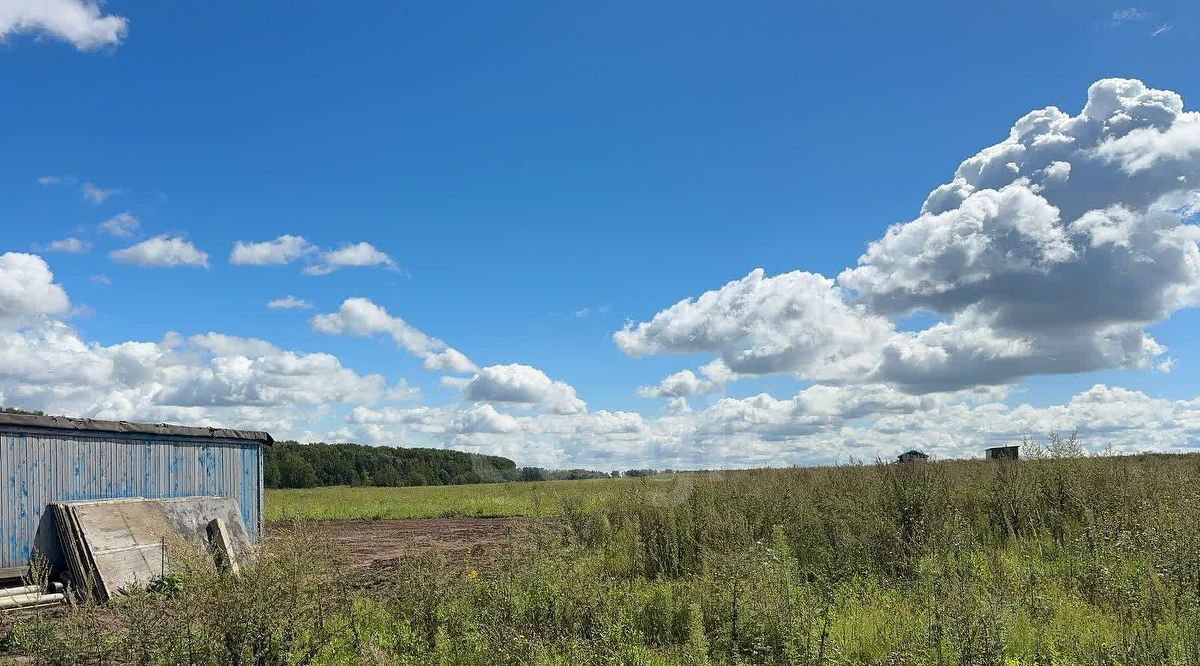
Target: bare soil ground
375,546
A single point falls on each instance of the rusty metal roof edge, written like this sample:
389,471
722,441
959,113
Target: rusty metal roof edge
94,425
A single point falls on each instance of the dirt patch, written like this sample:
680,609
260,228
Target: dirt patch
375,546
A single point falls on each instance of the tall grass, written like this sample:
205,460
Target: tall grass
1060,559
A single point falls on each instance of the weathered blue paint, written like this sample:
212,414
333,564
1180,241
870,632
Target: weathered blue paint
41,466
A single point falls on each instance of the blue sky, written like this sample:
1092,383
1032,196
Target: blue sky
540,174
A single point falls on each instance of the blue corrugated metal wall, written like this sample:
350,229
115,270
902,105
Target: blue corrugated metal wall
43,467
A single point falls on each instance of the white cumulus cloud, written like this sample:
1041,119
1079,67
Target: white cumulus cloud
282,250
820,424
1049,252
28,290
353,255
796,322
208,379
289,302
205,379
1057,247
82,23
484,419
681,384
162,251
360,316
524,385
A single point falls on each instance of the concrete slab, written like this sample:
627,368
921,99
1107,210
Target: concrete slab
120,543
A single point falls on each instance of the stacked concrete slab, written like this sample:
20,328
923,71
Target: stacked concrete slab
113,545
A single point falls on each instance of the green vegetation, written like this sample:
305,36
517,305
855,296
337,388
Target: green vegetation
485,500
1064,559
295,465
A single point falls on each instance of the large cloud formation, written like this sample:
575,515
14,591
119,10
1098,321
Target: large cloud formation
217,379
205,379
820,424
796,322
1049,252
1052,251
210,379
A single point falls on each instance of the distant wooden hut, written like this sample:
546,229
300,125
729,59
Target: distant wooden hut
913,456
1003,453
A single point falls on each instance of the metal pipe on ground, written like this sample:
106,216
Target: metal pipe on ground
28,589
30,599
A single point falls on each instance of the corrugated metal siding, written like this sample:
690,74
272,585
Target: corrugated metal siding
39,468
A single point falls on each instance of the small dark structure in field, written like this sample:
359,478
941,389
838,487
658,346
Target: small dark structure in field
913,456
1003,453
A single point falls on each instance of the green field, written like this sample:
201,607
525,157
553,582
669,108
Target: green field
1067,559
478,500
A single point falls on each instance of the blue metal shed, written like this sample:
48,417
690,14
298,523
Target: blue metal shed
46,459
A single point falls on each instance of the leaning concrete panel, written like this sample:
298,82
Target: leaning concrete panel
114,545
125,540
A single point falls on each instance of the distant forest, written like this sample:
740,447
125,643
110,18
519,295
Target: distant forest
295,465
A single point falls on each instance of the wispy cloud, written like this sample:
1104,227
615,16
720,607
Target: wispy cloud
1162,30
91,192
70,245
101,279
121,225
97,194
587,311
289,302
1126,15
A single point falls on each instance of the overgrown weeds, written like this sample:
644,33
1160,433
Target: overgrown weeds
1058,559
288,606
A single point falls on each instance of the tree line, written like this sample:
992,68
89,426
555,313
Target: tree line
293,465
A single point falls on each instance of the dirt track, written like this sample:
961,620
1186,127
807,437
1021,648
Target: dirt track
377,544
